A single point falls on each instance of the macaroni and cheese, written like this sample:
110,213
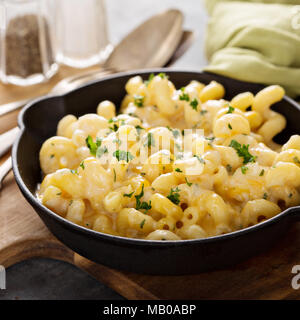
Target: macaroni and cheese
174,164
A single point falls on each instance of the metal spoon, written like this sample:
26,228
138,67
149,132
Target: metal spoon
149,45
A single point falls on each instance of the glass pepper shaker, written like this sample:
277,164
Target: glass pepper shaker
81,32
26,49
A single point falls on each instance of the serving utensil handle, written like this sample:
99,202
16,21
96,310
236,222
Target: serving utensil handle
7,139
4,169
12,106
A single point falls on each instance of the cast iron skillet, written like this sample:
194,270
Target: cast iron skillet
38,122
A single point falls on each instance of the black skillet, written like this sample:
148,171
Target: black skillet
38,122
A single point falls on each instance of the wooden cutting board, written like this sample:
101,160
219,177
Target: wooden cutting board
23,235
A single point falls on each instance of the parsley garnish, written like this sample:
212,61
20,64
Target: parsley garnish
176,133
142,205
123,155
262,172
93,146
142,223
230,109
139,129
149,79
117,141
74,171
184,96
58,194
128,195
244,169
82,165
162,75
177,145
202,112
229,126
188,183
150,141
114,128
100,152
242,151
194,103
178,170
52,156
265,196
139,100
115,175
174,195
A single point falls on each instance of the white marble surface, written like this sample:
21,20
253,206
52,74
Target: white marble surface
48,279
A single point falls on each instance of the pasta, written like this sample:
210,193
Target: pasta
175,164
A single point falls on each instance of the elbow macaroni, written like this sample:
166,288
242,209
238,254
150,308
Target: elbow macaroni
232,176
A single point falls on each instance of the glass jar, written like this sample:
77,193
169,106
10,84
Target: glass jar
26,55
81,32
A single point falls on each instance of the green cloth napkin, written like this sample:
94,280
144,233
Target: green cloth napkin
255,42
210,4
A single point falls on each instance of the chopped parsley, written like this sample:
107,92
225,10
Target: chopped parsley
117,141
174,195
139,129
176,133
128,195
194,103
123,155
52,156
229,126
230,109
203,112
58,194
242,151
262,172
178,170
115,175
74,171
184,96
163,75
114,128
265,196
244,169
150,141
82,165
177,145
139,100
101,151
149,79
93,146
142,205
142,223
188,183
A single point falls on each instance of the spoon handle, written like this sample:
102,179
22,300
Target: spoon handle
61,87
4,170
7,139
